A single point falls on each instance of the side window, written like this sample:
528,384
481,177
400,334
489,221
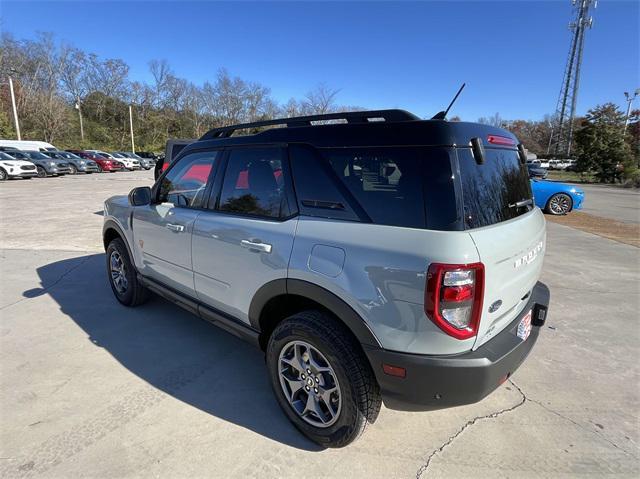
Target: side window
400,186
184,185
254,183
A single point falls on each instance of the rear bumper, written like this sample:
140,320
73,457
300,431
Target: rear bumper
437,382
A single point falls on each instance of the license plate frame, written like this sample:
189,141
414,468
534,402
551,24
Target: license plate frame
524,326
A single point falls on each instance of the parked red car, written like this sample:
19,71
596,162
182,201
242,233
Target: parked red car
104,164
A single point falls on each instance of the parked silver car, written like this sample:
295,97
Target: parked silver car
47,166
394,260
76,164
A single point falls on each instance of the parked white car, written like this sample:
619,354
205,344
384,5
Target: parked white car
560,164
12,168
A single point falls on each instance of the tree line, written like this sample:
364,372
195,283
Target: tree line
59,87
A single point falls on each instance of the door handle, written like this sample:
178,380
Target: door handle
256,245
176,228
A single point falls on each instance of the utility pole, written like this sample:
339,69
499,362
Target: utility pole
80,116
629,102
133,146
562,134
15,110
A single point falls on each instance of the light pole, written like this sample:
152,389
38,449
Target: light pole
80,116
629,102
15,110
133,145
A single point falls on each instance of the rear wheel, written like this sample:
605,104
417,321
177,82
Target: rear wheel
41,172
122,276
3,175
321,379
559,204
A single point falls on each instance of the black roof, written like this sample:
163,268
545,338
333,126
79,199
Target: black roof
361,128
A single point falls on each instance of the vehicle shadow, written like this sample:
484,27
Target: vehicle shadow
171,349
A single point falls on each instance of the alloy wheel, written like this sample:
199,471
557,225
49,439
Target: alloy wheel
309,383
118,272
560,204
3,175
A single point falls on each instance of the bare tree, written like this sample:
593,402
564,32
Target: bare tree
320,101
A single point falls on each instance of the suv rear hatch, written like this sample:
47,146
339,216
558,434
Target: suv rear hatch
509,233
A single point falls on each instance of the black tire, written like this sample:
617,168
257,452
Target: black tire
42,173
3,175
99,169
359,391
559,204
134,294
72,169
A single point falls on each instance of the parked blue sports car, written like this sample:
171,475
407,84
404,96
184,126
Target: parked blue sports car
556,198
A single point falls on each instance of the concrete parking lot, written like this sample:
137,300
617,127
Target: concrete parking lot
90,388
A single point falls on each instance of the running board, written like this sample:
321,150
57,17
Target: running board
211,315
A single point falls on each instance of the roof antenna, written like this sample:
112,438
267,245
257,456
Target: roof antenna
443,114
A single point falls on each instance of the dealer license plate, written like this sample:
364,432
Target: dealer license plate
524,327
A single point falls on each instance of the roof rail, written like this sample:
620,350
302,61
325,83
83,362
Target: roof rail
349,116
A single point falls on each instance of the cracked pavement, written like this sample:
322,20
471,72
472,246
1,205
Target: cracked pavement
88,388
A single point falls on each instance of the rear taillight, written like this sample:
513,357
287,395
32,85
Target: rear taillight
453,297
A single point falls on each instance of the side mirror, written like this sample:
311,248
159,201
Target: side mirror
140,196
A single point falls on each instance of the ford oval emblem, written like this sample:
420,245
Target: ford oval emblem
495,306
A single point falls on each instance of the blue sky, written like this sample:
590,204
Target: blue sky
410,55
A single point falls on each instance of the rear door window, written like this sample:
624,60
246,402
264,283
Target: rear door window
254,184
400,186
490,191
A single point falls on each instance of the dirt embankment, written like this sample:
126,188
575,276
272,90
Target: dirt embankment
627,233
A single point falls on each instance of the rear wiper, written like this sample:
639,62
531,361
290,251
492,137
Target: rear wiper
520,204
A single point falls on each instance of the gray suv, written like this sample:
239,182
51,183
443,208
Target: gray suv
373,256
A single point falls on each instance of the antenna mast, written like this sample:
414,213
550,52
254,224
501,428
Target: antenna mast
562,133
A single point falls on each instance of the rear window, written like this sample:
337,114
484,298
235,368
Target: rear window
399,186
490,191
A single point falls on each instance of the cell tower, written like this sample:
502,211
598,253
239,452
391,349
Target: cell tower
562,133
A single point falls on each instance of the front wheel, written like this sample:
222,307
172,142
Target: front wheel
73,170
559,204
122,275
41,172
321,379
99,169
3,175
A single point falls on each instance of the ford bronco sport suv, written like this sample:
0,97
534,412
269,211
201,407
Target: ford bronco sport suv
373,256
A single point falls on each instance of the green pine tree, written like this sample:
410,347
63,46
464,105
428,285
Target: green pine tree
600,144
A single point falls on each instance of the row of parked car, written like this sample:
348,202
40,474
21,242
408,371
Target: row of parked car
49,161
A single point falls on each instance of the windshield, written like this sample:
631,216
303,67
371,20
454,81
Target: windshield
69,156
4,156
496,191
118,155
36,155
105,154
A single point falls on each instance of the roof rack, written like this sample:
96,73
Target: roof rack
349,116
